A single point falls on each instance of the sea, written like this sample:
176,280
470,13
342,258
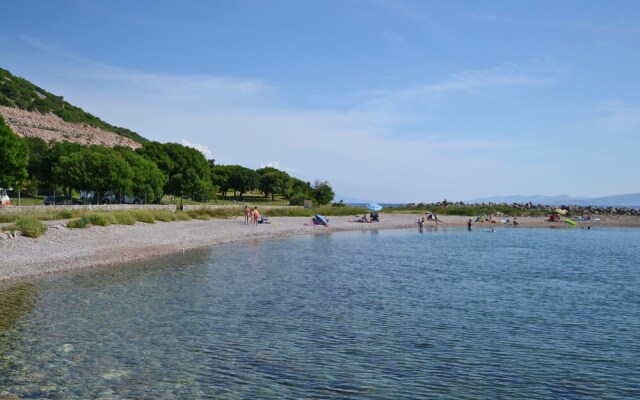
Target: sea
387,314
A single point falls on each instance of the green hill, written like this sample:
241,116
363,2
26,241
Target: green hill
20,93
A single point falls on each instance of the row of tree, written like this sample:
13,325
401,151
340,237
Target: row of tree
151,171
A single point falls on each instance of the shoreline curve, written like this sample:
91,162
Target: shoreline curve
63,249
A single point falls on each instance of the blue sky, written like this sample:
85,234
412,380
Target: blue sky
388,100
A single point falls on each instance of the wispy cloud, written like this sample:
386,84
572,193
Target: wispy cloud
175,88
466,82
616,118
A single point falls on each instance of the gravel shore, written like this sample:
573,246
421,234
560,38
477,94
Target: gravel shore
63,249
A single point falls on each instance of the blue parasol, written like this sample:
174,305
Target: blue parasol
374,207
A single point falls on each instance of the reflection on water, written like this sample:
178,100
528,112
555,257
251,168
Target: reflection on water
531,314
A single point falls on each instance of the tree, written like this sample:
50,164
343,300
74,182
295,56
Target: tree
38,167
52,161
146,179
242,179
186,169
14,158
95,168
220,175
273,181
300,191
322,193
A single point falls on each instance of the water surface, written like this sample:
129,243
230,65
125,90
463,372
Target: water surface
448,314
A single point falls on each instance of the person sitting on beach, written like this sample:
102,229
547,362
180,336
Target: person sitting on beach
374,217
515,223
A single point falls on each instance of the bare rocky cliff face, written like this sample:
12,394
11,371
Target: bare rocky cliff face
50,127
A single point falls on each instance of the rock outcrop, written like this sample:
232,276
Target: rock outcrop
50,127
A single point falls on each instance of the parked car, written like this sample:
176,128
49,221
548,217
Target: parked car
119,198
57,200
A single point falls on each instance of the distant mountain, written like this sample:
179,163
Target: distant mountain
621,200
19,94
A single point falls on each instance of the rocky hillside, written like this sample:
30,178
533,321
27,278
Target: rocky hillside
32,111
50,127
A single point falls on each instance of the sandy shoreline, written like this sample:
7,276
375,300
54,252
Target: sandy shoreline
63,249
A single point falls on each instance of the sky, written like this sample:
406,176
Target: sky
388,100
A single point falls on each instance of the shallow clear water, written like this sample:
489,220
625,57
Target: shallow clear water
448,314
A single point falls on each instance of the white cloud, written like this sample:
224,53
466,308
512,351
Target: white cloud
200,147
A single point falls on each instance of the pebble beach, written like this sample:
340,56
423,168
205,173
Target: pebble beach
63,249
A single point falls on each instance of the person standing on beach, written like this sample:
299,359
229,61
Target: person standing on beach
256,215
247,212
469,224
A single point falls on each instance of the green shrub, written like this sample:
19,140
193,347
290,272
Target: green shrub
124,218
181,216
30,227
102,219
144,216
164,216
66,214
78,223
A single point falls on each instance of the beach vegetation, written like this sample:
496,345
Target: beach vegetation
169,216
79,223
124,218
145,216
30,227
102,219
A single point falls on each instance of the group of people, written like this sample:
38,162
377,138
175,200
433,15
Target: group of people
373,217
253,216
429,217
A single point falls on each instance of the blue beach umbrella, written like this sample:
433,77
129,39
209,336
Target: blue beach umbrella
374,207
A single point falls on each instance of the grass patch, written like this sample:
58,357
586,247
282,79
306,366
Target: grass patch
30,227
124,218
103,219
219,213
169,216
79,223
146,216
181,216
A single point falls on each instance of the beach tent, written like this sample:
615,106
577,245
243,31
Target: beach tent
481,218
